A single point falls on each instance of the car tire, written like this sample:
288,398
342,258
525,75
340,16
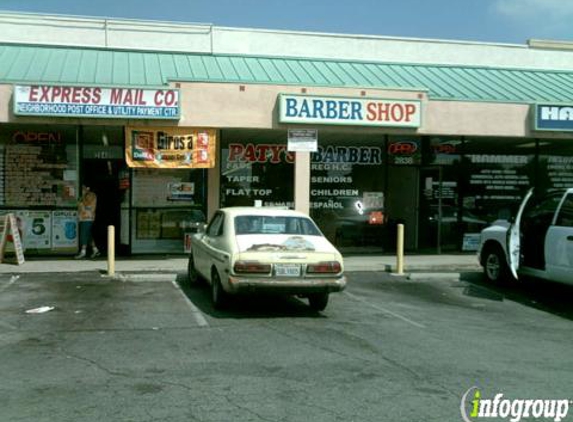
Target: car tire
218,294
338,239
318,301
192,274
495,266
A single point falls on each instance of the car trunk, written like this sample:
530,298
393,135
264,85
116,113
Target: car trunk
285,248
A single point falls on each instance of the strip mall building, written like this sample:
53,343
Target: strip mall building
168,121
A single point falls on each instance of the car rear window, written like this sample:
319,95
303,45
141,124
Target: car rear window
264,224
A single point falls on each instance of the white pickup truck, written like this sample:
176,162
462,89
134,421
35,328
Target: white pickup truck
538,242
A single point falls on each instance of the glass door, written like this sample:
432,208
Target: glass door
439,217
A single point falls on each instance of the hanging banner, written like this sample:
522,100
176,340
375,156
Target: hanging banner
170,147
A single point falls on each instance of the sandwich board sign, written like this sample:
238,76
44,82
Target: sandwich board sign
10,233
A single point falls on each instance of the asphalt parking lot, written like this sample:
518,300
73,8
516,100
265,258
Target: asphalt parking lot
148,348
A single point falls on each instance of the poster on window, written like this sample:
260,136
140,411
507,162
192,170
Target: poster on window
64,229
180,191
36,229
170,147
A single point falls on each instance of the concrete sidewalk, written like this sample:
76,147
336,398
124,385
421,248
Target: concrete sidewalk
178,264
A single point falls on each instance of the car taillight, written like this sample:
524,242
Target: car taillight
327,267
256,267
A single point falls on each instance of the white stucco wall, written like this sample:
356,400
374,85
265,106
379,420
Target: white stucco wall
5,95
207,38
228,106
255,106
477,119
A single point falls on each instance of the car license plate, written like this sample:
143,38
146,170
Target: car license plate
287,270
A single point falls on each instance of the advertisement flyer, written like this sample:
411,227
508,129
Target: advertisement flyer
64,229
170,147
36,229
180,191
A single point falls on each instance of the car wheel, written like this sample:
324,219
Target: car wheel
338,239
495,266
218,295
318,301
192,274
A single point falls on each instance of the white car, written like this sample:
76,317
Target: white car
249,249
538,242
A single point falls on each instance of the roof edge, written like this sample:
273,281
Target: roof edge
180,37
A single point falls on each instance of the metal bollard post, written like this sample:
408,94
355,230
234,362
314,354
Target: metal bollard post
110,250
400,250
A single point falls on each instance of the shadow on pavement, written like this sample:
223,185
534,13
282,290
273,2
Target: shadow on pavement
546,296
247,306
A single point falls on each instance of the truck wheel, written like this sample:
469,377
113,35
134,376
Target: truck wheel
495,266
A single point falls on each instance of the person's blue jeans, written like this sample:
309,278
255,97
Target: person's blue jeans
85,232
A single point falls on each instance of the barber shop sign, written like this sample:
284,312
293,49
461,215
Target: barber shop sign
349,111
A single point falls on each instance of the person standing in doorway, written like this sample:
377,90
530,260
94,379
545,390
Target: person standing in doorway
86,217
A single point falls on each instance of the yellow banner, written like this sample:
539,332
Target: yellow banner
170,147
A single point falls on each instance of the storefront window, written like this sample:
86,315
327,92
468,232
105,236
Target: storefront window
39,166
39,183
347,191
346,186
167,204
469,183
555,164
495,174
256,168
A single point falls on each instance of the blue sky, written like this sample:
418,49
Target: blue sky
504,21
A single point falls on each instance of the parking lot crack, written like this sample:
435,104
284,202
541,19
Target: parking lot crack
246,409
94,364
313,344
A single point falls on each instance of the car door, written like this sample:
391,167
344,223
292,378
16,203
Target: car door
514,237
202,248
559,242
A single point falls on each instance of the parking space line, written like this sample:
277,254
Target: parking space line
12,281
386,311
2,288
197,314
145,277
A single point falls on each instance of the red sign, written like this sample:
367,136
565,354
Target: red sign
260,153
403,148
376,217
444,148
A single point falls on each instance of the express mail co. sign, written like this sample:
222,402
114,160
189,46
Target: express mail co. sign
90,101
349,111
